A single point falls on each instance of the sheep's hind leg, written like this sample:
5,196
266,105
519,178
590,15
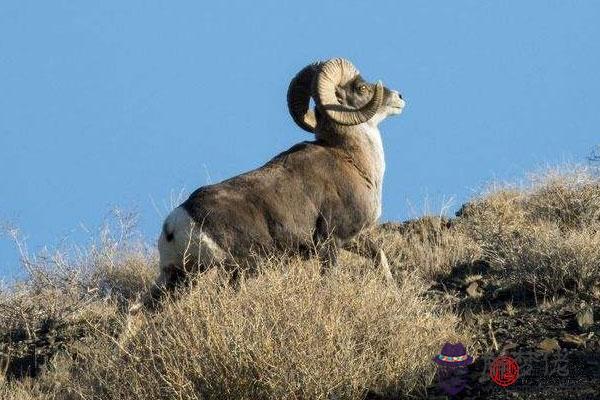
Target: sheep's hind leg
169,279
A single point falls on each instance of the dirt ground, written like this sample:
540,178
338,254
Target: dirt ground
557,357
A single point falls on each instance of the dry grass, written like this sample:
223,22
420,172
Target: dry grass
429,246
288,332
543,235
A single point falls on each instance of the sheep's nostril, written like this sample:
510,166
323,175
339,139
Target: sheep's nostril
399,95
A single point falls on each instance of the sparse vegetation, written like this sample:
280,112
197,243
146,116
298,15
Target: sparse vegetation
528,255
543,236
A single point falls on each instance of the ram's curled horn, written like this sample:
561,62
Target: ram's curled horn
298,98
338,72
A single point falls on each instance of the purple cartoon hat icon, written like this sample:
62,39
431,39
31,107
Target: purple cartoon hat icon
453,355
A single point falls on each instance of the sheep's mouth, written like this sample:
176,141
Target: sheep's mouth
396,104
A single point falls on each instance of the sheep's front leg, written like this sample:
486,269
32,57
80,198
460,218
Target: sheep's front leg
326,244
328,255
366,247
382,262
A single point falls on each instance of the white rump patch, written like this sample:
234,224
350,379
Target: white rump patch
188,243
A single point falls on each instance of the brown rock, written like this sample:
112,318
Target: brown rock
573,340
509,346
585,318
548,345
473,290
473,278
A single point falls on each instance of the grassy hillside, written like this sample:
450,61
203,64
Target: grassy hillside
518,265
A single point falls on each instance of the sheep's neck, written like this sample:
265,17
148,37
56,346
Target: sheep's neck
364,149
369,139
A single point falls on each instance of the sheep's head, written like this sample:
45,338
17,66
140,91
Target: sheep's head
340,94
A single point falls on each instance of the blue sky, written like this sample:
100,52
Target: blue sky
118,103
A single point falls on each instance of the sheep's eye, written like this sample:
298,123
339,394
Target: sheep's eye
362,88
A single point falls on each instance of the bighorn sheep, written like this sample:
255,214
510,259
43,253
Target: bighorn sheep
316,195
